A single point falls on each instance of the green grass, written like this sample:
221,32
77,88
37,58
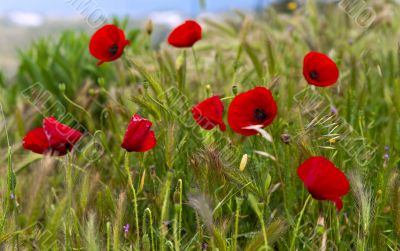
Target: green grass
188,192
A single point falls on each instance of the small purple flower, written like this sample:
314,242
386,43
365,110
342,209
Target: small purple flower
386,148
126,228
334,110
12,196
386,156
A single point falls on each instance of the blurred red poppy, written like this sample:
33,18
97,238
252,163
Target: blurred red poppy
108,43
319,69
254,107
323,180
185,35
53,138
138,136
208,113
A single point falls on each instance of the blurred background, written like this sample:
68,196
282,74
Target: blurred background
23,21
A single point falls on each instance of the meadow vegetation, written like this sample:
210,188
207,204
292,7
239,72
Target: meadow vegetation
198,189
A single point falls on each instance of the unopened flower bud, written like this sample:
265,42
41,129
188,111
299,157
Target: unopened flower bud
234,90
149,27
285,138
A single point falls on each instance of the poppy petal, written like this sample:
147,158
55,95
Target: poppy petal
138,136
185,35
108,43
61,137
36,141
338,203
208,113
319,69
323,180
148,143
254,107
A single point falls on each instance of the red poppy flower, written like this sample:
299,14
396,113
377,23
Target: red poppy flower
53,138
185,35
319,69
254,107
323,180
108,43
138,136
208,113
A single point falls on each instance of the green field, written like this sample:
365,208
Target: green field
193,190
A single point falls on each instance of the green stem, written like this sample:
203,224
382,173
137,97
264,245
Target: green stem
238,204
264,230
296,230
178,221
148,212
135,207
69,182
108,236
196,63
90,118
165,193
11,179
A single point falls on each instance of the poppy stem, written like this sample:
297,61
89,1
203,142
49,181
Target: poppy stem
11,178
178,214
296,230
147,211
227,98
239,202
76,105
135,207
196,63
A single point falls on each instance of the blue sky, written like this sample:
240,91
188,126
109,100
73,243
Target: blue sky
122,7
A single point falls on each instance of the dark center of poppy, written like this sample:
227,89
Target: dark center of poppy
113,50
314,75
259,114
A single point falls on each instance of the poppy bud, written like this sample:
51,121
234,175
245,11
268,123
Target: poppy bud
285,138
235,90
101,82
62,87
243,163
138,136
149,27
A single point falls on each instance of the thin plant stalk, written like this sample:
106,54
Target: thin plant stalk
108,236
196,63
237,215
178,217
147,211
296,230
135,207
165,192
